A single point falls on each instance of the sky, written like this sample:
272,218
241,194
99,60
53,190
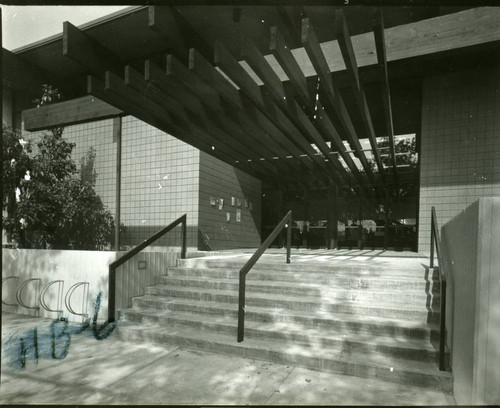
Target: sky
23,25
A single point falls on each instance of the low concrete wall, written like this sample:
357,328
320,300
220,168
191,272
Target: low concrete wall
51,265
471,243
74,267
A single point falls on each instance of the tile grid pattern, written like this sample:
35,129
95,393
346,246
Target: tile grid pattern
460,147
219,180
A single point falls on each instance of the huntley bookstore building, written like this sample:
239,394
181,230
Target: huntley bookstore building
358,120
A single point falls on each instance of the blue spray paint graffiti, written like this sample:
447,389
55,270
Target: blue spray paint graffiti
53,344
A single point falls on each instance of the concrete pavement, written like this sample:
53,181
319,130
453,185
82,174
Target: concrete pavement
111,371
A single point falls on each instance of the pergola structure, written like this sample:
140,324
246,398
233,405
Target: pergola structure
291,95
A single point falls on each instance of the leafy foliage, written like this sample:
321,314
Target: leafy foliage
48,205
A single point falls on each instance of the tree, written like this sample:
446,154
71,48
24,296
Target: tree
401,146
48,205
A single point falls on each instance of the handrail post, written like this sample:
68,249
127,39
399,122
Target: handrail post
134,251
251,262
241,307
184,237
111,294
442,326
432,238
289,239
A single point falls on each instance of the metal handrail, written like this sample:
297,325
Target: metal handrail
3,280
59,296
436,240
69,294
20,291
251,262
135,251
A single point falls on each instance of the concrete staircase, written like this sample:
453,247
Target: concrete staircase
368,319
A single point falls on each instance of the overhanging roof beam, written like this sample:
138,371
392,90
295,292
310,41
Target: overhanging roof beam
250,89
208,73
260,65
289,24
89,53
212,135
236,133
331,91
349,57
121,95
384,74
156,85
298,81
71,112
180,35
19,75
237,121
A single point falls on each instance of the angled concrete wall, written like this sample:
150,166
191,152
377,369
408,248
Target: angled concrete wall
472,246
220,181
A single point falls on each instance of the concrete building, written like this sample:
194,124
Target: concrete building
450,105
235,115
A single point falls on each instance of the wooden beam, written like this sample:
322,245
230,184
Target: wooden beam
161,87
116,92
289,25
96,57
250,89
429,37
154,95
20,75
235,131
283,54
273,134
289,106
72,112
180,79
346,48
87,52
332,93
382,62
298,81
180,35
234,120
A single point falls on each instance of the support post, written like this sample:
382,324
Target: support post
289,240
117,136
432,241
305,231
332,227
360,220
386,218
241,307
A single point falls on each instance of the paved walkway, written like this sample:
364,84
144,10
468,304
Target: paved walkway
111,371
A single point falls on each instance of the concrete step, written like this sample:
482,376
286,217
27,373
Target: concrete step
313,355
373,269
202,300
298,289
391,345
339,280
371,325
